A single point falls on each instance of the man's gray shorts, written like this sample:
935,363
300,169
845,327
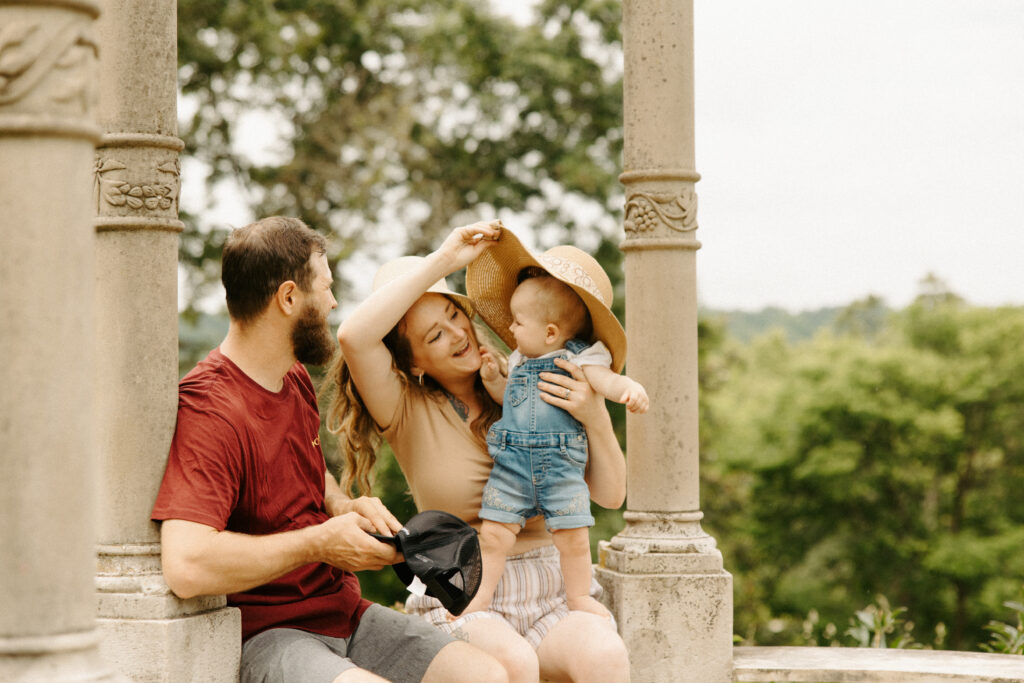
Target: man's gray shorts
396,646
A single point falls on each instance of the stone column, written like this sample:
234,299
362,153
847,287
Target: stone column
664,575
48,57
149,633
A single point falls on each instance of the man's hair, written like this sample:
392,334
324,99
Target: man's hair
258,258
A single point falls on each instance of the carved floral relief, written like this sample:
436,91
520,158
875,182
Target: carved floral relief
115,190
645,211
49,65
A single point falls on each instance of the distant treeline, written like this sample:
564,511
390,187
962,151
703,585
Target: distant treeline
746,325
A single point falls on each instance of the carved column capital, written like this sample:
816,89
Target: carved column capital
661,209
48,70
137,186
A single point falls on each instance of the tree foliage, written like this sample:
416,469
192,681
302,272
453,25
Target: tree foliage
882,463
398,118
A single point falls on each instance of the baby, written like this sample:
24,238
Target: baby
540,450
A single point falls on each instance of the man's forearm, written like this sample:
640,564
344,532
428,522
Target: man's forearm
200,560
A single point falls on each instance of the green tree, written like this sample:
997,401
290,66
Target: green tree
864,318
886,464
397,118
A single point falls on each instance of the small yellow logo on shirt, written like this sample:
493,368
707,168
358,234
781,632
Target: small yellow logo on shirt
316,441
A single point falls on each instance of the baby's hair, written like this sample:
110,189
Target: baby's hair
559,304
531,271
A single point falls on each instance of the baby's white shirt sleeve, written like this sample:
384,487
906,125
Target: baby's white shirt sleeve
595,354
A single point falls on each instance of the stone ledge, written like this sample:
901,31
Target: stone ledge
158,606
849,664
198,648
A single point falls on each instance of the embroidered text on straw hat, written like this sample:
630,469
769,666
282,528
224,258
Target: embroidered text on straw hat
493,276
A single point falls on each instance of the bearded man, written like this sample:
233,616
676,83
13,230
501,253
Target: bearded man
247,505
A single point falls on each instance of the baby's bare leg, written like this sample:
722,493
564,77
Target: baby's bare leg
496,539
574,555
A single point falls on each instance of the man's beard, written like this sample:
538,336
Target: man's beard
311,338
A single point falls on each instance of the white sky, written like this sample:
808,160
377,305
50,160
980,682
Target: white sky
849,147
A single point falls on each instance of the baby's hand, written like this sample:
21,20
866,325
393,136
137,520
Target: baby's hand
489,368
491,374
635,397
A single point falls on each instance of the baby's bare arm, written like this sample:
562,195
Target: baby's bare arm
605,382
618,388
493,376
496,389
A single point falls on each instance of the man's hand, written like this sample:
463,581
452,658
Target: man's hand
346,543
337,503
372,509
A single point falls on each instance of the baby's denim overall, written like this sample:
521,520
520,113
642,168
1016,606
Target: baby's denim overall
539,452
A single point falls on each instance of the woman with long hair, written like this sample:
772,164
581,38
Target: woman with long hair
410,372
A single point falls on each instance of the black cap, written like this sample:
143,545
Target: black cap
444,553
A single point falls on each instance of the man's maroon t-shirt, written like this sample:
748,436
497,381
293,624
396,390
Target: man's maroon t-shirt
248,460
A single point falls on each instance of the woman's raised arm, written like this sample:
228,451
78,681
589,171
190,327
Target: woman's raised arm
361,335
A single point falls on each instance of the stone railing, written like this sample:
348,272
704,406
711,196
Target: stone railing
847,664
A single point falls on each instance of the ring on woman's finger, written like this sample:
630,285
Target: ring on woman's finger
568,392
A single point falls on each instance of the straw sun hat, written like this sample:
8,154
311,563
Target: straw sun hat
491,279
401,266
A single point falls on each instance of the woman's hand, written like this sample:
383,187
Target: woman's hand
466,243
573,394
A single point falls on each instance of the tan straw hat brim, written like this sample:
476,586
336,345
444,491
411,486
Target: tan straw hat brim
492,277
403,265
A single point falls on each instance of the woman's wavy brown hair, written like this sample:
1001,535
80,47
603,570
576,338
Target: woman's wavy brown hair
359,436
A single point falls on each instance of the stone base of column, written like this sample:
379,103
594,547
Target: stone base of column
666,586
151,635
59,657
204,648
